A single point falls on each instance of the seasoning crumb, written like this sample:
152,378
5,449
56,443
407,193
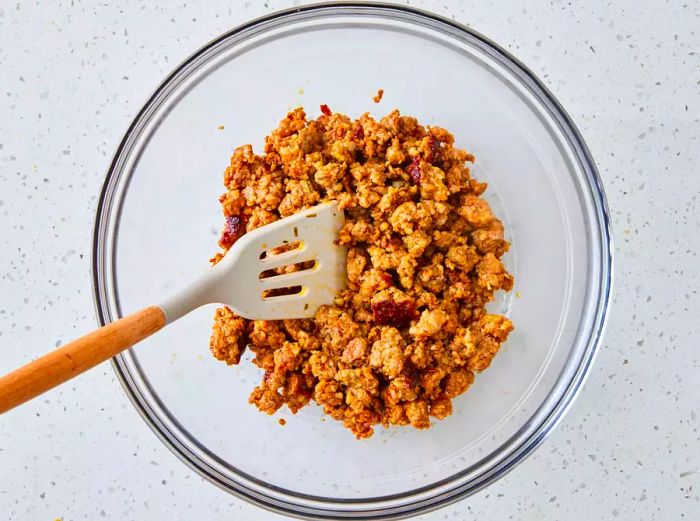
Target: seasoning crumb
220,127
518,294
282,422
378,97
301,91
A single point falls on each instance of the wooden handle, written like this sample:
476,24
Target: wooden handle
77,357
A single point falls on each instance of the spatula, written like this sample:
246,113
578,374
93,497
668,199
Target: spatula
242,280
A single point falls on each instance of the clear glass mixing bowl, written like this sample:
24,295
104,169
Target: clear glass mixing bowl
158,220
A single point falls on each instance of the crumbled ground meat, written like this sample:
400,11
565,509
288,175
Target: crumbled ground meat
410,331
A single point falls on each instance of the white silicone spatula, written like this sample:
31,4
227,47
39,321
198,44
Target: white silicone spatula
241,280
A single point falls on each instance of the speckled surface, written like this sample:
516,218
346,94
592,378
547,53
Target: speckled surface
73,75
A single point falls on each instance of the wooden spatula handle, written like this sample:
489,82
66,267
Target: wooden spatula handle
77,356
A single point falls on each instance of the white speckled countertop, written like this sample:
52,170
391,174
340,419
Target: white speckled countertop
73,74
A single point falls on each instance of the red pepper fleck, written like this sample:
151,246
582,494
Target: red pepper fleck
359,132
267,376
414,170
326,110
391,313
234,228
433,147
387,278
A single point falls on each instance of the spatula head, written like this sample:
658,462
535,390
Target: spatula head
254,289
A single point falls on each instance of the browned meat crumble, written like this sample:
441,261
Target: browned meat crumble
410,331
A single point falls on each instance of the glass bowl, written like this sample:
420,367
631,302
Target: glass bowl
158,220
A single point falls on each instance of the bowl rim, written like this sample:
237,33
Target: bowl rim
328,508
